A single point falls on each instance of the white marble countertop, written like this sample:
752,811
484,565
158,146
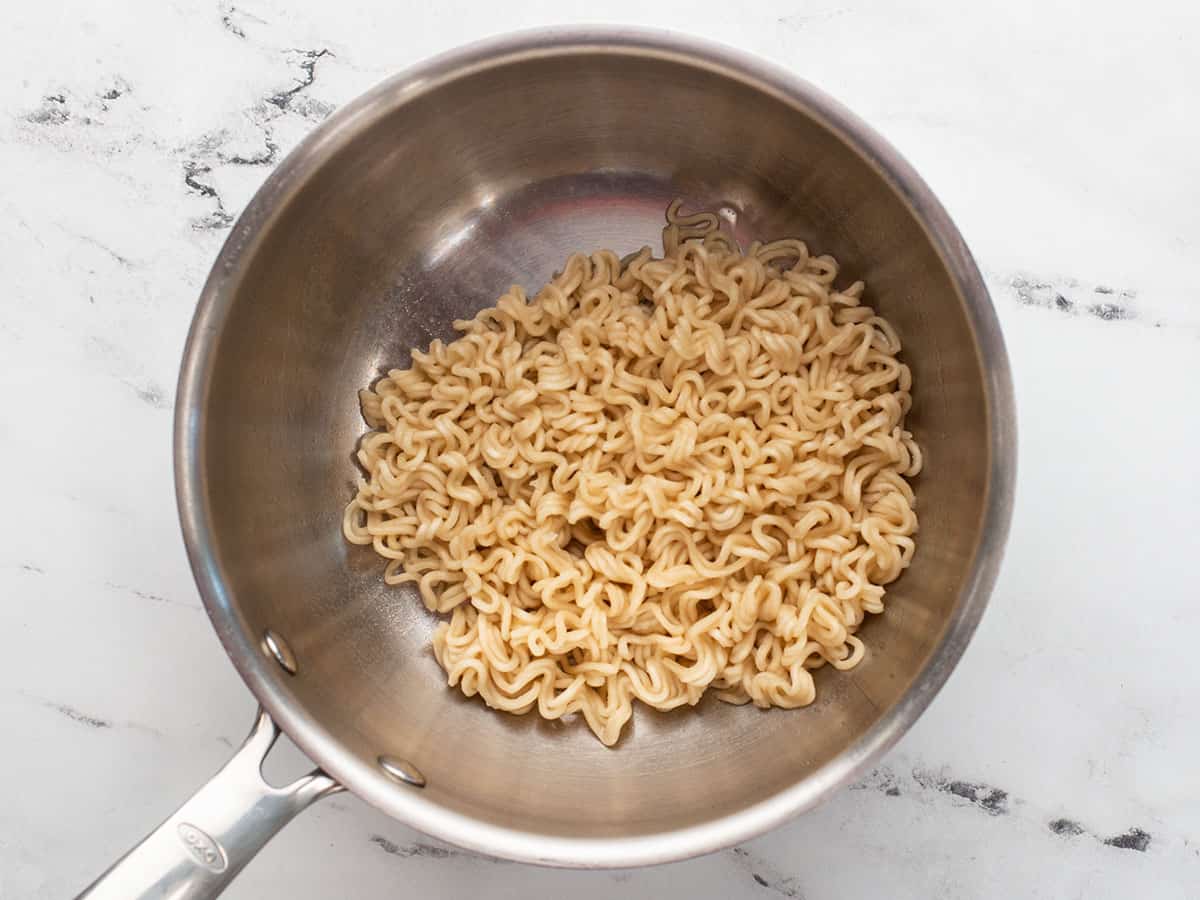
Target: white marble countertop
1062,758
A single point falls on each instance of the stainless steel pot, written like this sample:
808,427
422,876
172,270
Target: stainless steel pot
417,204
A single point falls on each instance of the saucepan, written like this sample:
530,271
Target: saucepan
418,204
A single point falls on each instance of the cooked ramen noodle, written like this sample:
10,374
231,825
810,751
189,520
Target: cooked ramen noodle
657,477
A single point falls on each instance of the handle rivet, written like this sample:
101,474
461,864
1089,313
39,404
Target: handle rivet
402,770
277,648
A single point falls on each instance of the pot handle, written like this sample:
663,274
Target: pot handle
205,844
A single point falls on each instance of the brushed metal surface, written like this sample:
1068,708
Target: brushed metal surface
199,850
419,203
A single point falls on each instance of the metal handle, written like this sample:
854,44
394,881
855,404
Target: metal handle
200,849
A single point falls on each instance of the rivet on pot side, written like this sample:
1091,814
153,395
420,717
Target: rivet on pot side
277,648
402,770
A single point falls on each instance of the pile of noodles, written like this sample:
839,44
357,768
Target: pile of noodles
656,477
